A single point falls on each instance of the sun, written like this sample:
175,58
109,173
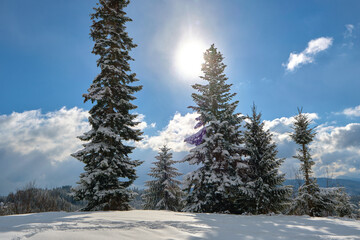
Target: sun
189,57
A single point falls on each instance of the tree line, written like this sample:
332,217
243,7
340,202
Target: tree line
32,199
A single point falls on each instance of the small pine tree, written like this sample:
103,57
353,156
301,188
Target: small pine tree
164,192
214,186
337,202
309,200
109,171
265,182
344,207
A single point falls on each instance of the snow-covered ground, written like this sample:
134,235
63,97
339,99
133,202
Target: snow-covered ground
141,224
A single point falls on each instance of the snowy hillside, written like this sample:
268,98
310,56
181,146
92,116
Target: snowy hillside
141,224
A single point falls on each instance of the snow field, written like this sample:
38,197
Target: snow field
149,224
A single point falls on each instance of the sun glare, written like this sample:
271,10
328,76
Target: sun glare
189,57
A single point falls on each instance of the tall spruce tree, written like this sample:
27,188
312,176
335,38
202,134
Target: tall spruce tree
164,193
309,200
267,194
109,171
213,187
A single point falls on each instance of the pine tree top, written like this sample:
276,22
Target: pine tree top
261,149
112,44
303,133
213,98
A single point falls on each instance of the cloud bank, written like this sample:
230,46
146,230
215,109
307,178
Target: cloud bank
335,148
37,146
53,134
314,47
338,149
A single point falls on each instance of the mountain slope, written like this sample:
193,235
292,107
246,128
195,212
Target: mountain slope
352,186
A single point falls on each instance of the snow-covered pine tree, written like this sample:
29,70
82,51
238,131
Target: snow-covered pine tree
337,202
265,183
343,205
109,171
164,193
308,200
214,186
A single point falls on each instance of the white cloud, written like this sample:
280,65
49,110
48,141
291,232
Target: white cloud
317,45
142,124
308,55
352,112
173,134
297,59
53,134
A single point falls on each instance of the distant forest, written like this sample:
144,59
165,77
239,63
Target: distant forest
32,199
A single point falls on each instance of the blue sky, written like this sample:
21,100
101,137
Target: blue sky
46,65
